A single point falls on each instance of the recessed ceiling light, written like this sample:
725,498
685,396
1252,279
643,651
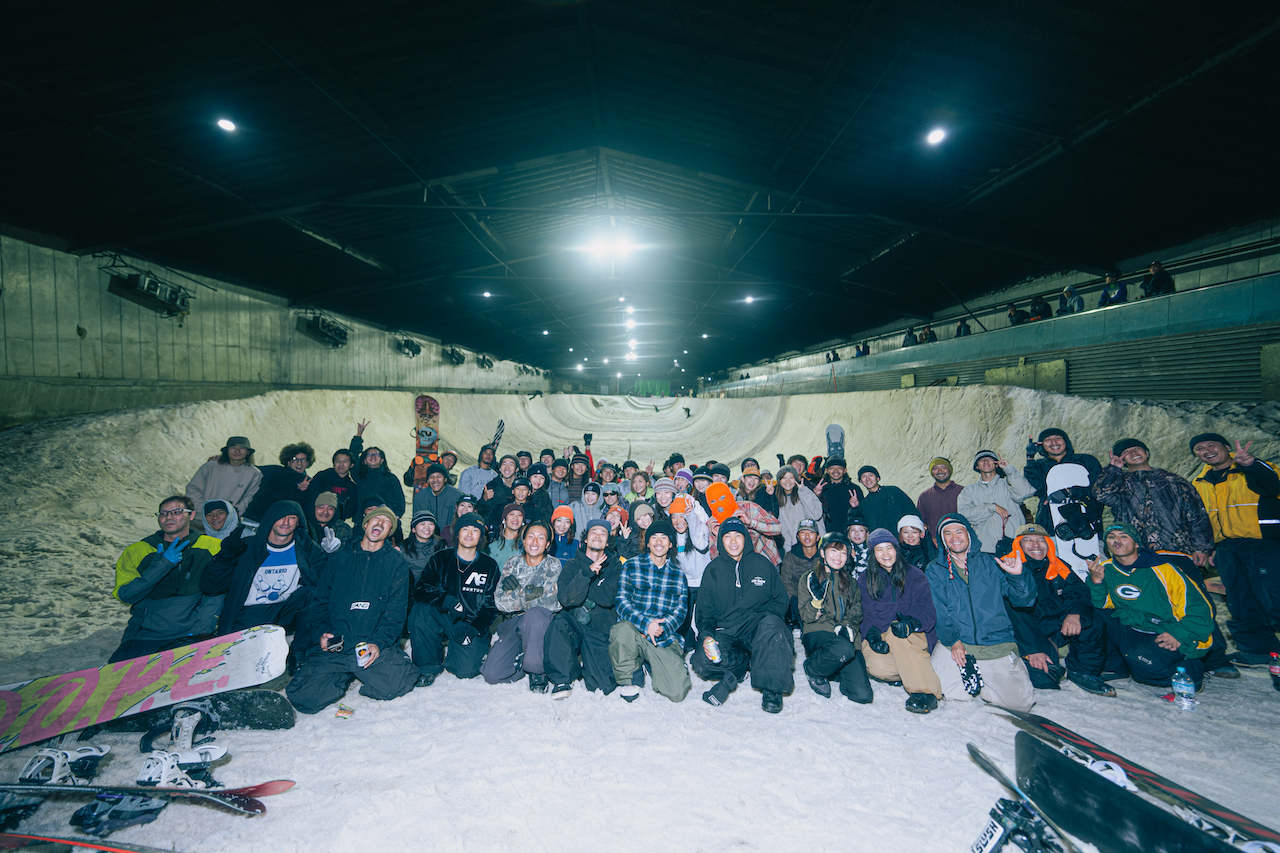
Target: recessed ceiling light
704,334
487,294
750,299
936,135
631,344
579,366
622,299
570,349
619,374
631,324
545,332
686,352
631,309
606,361
226,124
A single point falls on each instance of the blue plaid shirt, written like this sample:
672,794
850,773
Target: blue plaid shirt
650,592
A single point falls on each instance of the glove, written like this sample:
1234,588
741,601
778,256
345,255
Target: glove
233,546
533,593
510,583
782,461
878,645
971,676
173,553
905,626
451,606
330,542
586,439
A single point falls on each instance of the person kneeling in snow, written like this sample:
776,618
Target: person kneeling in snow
588,588
527,591
359,608
652,597
898,620
1061,615
742,608
453,601
976,654
831,613
1153,613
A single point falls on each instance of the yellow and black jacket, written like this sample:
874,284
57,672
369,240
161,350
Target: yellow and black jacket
166,602
1243,502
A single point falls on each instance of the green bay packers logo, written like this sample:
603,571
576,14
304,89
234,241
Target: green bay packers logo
1128,591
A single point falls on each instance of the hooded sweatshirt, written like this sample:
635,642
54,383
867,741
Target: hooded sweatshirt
736,594
232,573
970,603
233,521
1037,473
1155,596
791,514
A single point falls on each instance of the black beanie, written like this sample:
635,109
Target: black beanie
1209,436
868,469
664,527
1045,433
1125,443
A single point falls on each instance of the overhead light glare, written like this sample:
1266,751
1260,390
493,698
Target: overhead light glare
631,344
606,361
619,374
750,299
631,324
579,366
545,332
936,135
622,299
570,349
487,294
704,334
631,309
226,124
686,352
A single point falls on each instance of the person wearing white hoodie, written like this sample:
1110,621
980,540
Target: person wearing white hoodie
993,505
692,548
796,502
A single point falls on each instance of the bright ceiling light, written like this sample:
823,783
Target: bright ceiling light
606,361
599,248
682,370
631,344
545,332
631,356
631,324
936,135
750,299
487,294
704,334
622,299
619,374
579,366
686,352
631,309
622,246
226,124
570,349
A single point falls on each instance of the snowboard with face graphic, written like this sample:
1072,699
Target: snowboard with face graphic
426,438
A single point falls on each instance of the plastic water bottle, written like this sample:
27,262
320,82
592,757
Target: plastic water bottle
1184,690
1275,670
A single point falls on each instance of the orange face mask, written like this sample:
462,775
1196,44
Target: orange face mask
720,499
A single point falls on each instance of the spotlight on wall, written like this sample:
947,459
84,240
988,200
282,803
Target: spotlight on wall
409,347
324,329
455,355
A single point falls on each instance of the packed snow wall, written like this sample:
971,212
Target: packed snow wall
84,487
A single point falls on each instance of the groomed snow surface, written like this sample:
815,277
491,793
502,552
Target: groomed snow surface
468,766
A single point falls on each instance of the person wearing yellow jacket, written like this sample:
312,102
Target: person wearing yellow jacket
1155,616
1242,496
159,578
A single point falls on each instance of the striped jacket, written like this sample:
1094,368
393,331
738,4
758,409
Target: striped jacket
1155,596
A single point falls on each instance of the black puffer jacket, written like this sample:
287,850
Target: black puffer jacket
589,597
462,592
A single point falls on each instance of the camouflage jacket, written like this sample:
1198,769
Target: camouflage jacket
1165,508
537,585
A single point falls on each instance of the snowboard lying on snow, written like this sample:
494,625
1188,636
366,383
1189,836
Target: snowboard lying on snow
43,708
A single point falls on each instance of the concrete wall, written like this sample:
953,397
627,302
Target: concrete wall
69,346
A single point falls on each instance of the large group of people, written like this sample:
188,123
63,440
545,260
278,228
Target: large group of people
566,569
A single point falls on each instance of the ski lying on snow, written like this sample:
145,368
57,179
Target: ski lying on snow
58,844
1148,780
242,800
1095,809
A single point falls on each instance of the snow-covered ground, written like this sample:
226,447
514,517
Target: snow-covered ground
468,766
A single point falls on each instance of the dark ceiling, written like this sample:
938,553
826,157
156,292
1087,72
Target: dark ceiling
394,160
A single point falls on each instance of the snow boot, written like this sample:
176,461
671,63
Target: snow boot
820,685
921,703
1091,684
427,679
110,812
561,691
771,702
1228,671
719,693
538,682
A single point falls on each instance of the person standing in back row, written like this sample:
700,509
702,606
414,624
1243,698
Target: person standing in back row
940,498
232,477
883,505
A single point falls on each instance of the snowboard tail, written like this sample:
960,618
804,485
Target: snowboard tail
1148,780
1097,810
65,844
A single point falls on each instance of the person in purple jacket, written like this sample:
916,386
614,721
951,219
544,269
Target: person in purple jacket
897,623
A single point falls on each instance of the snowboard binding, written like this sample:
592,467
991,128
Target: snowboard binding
15,808
188,768
188,728
1014,823
109,812
1081,514
63,767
